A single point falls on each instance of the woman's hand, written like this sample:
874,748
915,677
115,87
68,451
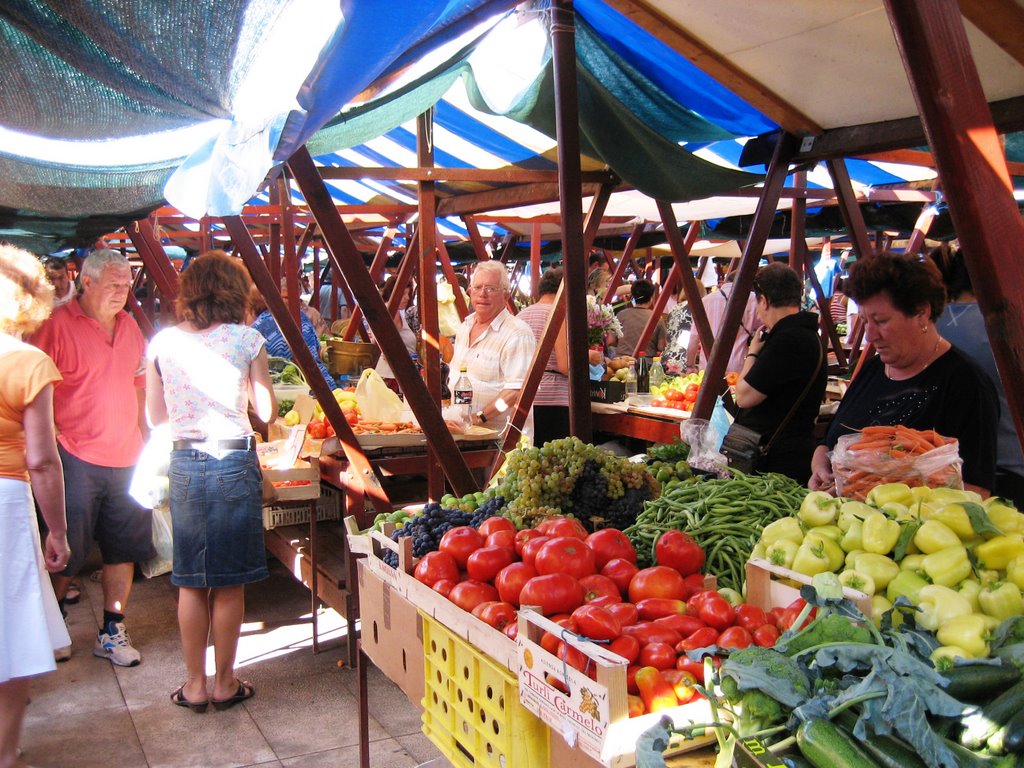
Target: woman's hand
57,552
821,471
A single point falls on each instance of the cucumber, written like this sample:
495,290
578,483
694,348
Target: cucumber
981,724
826,745
887,751
980,682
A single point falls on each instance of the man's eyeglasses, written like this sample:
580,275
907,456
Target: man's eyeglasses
487,289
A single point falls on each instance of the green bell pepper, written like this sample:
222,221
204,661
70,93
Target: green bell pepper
939,604
879,568
906,584
887,492
934,536
781,552
947,567
858,580
997,553
968,632
851,511
879,534
1001,600
784,528
818,508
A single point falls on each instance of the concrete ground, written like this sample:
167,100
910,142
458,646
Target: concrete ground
91,714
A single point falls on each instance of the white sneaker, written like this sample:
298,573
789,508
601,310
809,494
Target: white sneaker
117,647
62,654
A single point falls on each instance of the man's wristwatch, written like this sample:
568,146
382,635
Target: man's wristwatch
480,415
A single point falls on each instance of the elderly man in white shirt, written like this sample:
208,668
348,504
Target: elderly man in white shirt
57,273
495,346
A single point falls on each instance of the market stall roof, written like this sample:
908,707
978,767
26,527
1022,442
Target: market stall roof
96,97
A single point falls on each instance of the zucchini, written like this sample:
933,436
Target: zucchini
980,682
967,759
826,745
981,724
1009,738
887,751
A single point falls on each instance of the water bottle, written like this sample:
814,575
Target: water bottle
657,375
462,397
643,373
630,380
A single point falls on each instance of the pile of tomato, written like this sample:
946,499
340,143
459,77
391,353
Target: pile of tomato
662,620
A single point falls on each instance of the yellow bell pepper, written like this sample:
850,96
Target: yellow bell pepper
831,530
954,516
817,554
781,552
851,511
858,580
1004,517
880,568
970,589
784,528
818,508
1015,571
1001,600
947,654
879,534
907,584
879,605
887,492
938,604
898,512
851,556
947,567
920,493
912,563
853,539
998,552
934,536
968,632
952,496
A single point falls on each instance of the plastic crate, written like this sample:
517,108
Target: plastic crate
471,709
328,507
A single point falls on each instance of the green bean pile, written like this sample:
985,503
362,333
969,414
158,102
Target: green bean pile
724,516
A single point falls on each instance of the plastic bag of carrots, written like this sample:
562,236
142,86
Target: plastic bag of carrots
895,454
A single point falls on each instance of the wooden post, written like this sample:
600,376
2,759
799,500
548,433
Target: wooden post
975,179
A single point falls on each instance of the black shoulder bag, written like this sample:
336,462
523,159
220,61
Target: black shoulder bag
745,448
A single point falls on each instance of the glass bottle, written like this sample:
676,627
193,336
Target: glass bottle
630,380
643,373
656,376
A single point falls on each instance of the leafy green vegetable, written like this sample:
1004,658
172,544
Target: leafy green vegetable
284,405
769,671
675,451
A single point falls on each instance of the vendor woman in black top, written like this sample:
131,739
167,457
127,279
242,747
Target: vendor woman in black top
782,358
917,379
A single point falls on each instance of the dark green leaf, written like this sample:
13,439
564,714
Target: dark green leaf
906,536
651,745
979,518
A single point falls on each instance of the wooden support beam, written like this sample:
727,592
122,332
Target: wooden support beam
154,259
574,258
380,260
824,309
674,276
1001,20
535,261
619,273
449,275
345,258
718,359
853,218
482,175
915,244
474,237
289,254
976,184
798,226
506,197
303,357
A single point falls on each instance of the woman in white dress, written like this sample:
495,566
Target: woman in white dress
31,627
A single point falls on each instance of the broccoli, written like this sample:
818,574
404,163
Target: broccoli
826,629
768,670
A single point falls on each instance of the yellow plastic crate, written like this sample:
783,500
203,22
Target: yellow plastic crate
471,709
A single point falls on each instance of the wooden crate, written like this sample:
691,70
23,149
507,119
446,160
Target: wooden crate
770,586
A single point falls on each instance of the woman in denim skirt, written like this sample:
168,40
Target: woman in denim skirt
201,377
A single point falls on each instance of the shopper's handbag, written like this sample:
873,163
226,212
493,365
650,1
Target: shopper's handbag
745,448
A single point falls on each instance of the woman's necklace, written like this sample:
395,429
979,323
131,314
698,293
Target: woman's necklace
912,372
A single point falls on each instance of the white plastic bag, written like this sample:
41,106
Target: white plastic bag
163,543
150,486
377,402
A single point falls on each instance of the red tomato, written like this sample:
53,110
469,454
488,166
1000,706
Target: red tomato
316,429
603,600
651,608
627,647
734,638
626,613
679,550
775,615
658,655
565,554
694,668
631,671
563,526
496,613
469,594
694,584
512,629
766,635
574,657
621,571
691,391
552,593
702,638
484,564
684,625
510,581
460,542
555,683
608,544
505,539
524,536
750,617
532,547
596,623
444,586
792,613
648,632
716,612
435,566
496,523
682,683
659,581
696,600
597,586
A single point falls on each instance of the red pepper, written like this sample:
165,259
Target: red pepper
655,690
682,684
684,625
658,607
702,638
